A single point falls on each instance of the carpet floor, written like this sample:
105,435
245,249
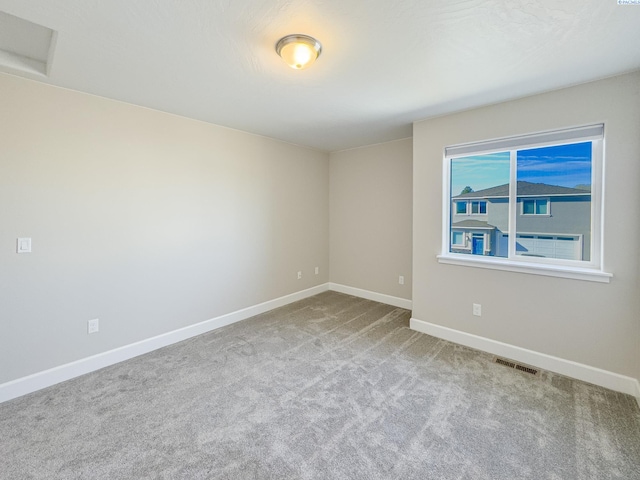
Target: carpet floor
331,387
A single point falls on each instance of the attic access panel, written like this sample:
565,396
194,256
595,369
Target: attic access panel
25,47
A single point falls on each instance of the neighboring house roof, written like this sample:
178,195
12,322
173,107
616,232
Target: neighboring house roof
472,224
526,189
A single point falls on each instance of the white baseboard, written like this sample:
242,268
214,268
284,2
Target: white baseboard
603,378
376,297
46,378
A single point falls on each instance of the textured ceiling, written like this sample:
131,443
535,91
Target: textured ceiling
385,63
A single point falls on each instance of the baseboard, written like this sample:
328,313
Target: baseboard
376,297
603,378
46,378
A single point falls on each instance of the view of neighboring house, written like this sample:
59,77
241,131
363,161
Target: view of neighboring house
551,221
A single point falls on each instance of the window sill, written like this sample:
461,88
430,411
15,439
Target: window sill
561,271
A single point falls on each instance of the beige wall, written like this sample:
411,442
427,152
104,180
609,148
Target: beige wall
370,226
148,221
591,323
153,222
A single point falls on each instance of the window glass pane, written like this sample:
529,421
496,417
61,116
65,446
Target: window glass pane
562,173
461,207
528,207
457,238
541,207
482,180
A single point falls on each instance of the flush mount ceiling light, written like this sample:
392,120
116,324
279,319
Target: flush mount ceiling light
298,51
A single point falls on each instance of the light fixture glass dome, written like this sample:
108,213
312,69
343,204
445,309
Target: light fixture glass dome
298,51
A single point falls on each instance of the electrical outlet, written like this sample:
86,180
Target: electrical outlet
317,270
477,309
23,245
93,326
299,275
401,280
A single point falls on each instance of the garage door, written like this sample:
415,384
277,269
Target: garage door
568,247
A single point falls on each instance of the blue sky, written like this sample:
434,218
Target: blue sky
564,165
479,172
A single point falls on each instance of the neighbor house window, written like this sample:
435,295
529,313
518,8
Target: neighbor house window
479,208
501,193
470,207
457,238
536,206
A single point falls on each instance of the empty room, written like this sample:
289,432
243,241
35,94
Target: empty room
319,240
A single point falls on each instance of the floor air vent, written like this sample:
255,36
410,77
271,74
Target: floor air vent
517,366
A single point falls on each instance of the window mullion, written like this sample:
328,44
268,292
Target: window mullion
513,204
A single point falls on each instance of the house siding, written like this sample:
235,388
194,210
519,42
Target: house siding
568,215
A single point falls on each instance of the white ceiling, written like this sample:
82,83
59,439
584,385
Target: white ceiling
385,63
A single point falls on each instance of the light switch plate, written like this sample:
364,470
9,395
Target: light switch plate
23,245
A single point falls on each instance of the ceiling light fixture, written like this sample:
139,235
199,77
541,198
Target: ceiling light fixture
298,51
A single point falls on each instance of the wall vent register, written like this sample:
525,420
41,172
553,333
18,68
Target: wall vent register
516,366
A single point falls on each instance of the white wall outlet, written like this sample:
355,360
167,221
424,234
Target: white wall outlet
23,245
401,279
299,275
93,326
477,309
317,270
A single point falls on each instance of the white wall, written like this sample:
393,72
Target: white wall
591,323
148,221
370,217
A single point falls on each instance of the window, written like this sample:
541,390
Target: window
500,193
464,207
479,208
457,238
535,207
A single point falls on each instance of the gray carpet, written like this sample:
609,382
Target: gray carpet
332,387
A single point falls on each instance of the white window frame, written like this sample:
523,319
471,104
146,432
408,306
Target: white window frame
591,270
470,207
535,204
